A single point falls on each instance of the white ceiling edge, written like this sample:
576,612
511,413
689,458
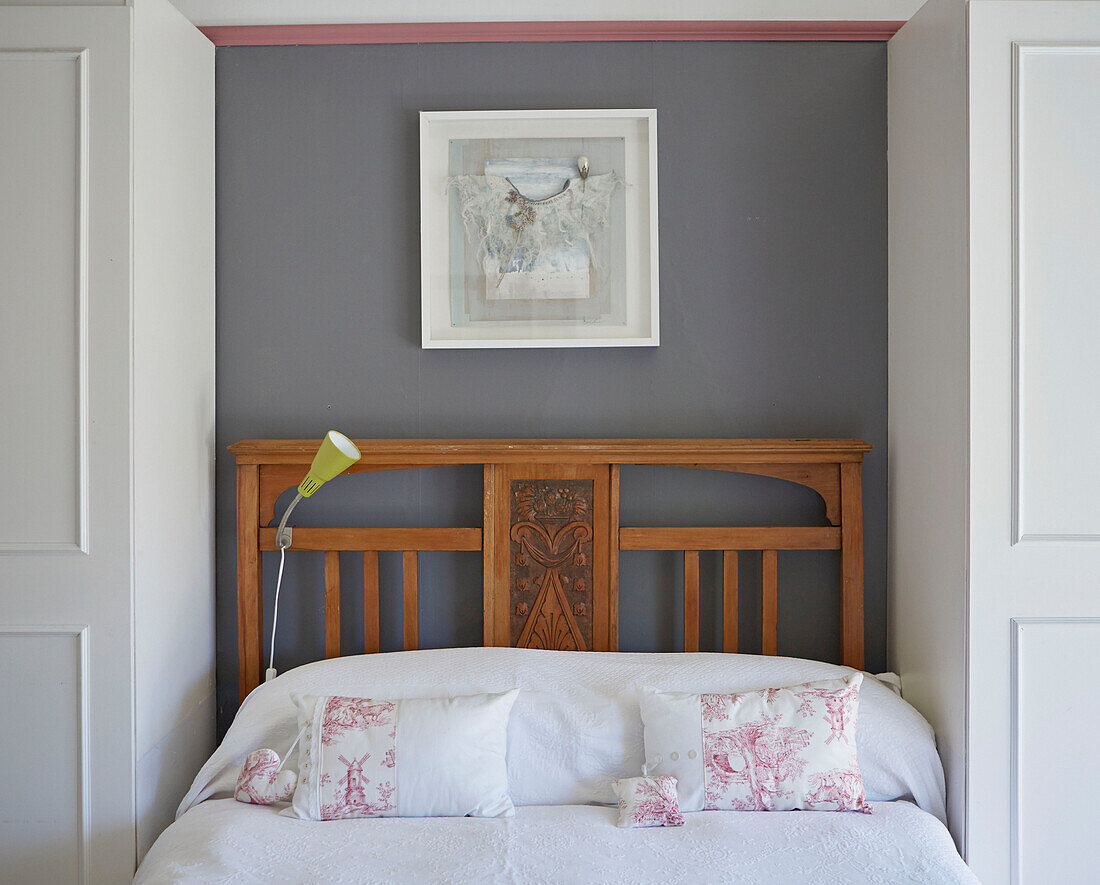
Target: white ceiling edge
286,12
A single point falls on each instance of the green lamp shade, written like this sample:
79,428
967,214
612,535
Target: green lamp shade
337,454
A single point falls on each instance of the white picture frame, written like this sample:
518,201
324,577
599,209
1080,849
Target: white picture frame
459,307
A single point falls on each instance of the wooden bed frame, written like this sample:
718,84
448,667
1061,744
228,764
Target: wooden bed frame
550,536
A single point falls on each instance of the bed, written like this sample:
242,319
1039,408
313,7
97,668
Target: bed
575,726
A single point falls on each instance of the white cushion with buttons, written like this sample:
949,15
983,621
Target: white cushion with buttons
777,749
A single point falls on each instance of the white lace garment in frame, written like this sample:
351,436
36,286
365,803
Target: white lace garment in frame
533,224
531,241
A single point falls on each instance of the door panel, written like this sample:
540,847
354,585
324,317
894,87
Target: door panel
45,797
43,324
1034,527
65,515
1057,139
1056,728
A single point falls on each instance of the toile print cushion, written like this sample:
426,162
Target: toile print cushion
648,802
263,781
420,757
778,749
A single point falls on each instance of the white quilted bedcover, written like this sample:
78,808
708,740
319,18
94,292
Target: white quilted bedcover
575,727
225,841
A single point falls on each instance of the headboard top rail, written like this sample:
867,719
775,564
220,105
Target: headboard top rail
416,452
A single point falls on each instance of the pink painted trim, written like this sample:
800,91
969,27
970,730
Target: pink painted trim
545,32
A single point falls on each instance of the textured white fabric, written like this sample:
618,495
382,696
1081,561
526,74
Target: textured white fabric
420,757
779,749
575,726
223,841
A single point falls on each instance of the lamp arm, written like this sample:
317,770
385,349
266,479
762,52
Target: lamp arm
284,535
337,454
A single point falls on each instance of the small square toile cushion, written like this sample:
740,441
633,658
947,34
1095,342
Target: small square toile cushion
648,802
778,749
418,757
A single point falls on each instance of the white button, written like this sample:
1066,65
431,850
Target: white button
692,754
673,756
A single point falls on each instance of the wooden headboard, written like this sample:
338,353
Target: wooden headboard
550,536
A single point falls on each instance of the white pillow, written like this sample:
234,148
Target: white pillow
777,749
420,757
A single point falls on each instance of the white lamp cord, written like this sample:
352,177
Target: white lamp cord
282,541
271,674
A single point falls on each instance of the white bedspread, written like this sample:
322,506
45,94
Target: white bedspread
574,727
225,841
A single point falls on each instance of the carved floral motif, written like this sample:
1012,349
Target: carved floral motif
541,500
551,538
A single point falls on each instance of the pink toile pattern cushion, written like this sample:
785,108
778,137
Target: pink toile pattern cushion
261,782
777,749
648,802
368,777
412,757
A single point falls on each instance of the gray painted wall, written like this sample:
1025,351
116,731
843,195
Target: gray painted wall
773,311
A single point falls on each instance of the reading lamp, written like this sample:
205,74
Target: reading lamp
337,454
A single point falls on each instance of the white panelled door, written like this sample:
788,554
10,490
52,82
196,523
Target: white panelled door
65,509
1034,610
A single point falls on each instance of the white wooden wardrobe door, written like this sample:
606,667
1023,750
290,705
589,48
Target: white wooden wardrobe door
65,523
1035,436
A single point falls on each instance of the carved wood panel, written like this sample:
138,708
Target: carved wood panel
550,574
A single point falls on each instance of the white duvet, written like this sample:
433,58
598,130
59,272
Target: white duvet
574,728
224,841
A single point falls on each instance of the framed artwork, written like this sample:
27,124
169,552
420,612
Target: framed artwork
538,228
